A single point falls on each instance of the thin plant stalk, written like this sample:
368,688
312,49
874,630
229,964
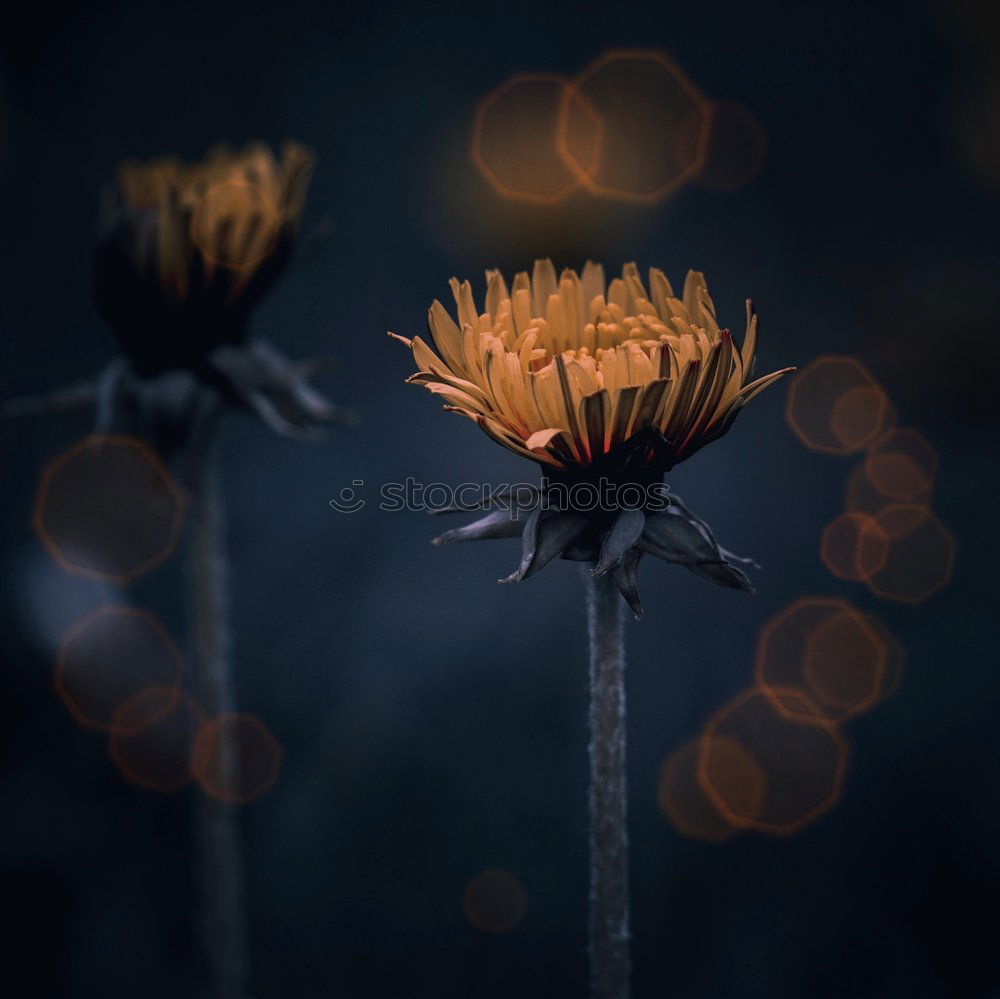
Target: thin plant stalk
610,964
221,868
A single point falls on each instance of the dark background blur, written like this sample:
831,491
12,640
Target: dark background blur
433,722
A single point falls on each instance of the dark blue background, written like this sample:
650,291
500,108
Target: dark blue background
433,722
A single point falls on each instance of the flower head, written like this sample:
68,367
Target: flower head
187,250
565,371
184,254
614,384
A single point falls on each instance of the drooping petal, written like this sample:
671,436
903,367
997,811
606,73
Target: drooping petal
552,441
674,538
455,397
740,560
724,574
440,377
749,349
755,388
544,540
624,577
622,537
426,359
678,504
509,441
498,524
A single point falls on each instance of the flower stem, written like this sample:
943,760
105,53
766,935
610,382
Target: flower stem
610,964
223,912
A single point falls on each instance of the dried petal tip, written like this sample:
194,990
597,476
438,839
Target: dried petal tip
678,536
543,540
624,578
498,524
627,530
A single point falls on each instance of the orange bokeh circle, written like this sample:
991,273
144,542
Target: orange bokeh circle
494,901
902,465
921,556
862,496
107,658
108,509
851,657
684,802
656,126
253,767
514,138
836,407
156,753
841,549
801,756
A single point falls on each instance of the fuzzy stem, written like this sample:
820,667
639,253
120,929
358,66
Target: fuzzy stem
223,912
610,964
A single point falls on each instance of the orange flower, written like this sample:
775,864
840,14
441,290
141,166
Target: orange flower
564,371
187,250
611,385
223,213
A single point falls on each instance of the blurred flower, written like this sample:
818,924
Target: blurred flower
594,383
185,252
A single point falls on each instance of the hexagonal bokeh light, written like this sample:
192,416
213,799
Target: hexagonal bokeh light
494,901
844,664
902,465
842,551
257,761
153,737
801,756
655,126
857,411
835,406
107,658
921,556
824,650
864,497
687,806
108,509
514,138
